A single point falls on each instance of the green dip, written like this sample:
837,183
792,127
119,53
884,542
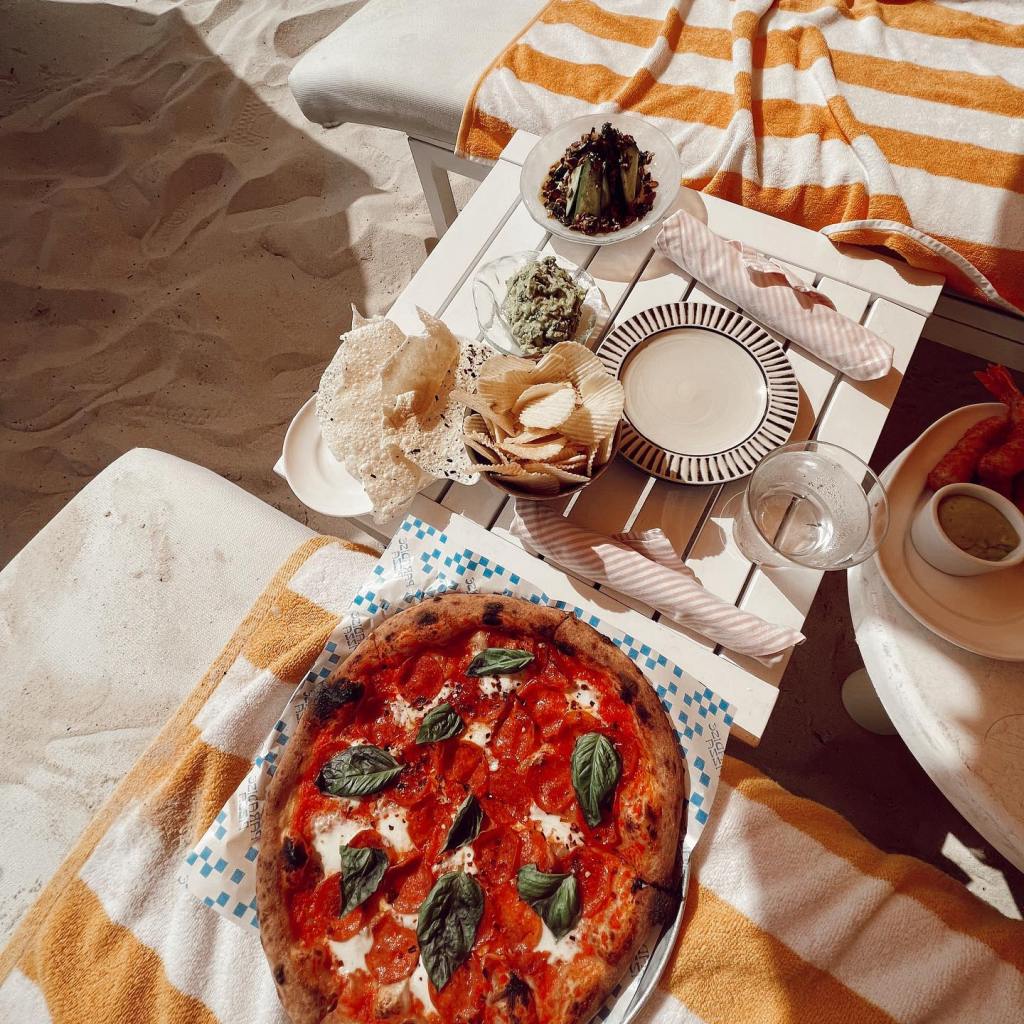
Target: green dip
977,527
542,305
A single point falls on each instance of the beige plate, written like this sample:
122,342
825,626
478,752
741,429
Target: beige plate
983,614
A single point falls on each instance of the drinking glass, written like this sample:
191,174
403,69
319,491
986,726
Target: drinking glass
811,504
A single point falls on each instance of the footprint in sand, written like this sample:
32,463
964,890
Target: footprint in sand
192,196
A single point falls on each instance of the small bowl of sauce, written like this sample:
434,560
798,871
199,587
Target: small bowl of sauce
967,530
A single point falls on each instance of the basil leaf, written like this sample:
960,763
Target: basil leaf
466,826
328,697
595,773
361,872
494,660
533,884
447,924
358,771
440,723
556,898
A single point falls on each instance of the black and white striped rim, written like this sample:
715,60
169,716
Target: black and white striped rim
708,467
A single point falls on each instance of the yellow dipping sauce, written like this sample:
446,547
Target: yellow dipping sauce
977,527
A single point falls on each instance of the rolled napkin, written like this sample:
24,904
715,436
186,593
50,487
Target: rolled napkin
764,288
640,565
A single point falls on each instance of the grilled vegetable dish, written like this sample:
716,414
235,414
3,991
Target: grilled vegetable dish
602,183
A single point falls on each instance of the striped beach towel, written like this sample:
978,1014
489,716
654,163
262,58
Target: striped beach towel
894,124
793,918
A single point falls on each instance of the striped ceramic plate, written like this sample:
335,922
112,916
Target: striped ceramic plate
709,392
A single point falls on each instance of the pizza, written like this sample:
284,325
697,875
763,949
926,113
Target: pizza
476,820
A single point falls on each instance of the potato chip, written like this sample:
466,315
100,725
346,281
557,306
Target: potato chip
554,421
479,404
565,475
548,410
598,412
542,451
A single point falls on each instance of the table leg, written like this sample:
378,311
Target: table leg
863,706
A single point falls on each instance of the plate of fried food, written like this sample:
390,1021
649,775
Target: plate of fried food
543,429
975,457
385,421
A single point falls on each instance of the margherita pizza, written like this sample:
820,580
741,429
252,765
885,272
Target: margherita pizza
476,821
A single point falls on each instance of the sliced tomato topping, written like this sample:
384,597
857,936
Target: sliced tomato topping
342,928
462,1000
496,854
546,705
394,952
550,782
368,838
421,677
460,762
516,738
424,821
606,834
534,849
412,886
505,798
312,910
413,783
594,870
518,926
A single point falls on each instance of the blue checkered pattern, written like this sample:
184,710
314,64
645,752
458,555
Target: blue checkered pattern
429,565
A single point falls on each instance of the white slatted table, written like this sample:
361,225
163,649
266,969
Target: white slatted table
892,299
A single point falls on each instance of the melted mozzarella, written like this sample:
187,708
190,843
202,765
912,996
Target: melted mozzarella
409,921
419,988
404,713
351,954
563,833
558,951
585,698
462,859
394,829
330,833
478,733
498,686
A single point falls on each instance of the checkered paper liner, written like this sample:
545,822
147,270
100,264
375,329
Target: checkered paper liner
422,561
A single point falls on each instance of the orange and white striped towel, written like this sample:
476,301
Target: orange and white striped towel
891,124
793,918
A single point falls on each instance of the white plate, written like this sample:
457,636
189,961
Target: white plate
709,392
664,167
318,479
983,614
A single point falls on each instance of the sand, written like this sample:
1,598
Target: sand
179,247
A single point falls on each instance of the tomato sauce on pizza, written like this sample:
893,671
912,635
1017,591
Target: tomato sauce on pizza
476,821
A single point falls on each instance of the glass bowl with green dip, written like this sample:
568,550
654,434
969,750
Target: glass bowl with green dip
528,301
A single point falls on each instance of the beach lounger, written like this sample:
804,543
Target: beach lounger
410,67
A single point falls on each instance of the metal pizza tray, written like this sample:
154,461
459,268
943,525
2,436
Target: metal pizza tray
631,1000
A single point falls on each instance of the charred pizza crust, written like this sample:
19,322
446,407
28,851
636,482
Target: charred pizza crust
648,895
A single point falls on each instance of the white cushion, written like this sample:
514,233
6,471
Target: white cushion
111,615
406,65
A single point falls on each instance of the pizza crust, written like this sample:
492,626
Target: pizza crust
436,622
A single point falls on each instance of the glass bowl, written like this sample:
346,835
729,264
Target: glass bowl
490,286
665,169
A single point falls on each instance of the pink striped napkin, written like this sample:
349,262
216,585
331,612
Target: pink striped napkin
765,290
645,565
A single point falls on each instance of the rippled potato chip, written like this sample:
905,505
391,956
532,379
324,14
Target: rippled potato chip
544,427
